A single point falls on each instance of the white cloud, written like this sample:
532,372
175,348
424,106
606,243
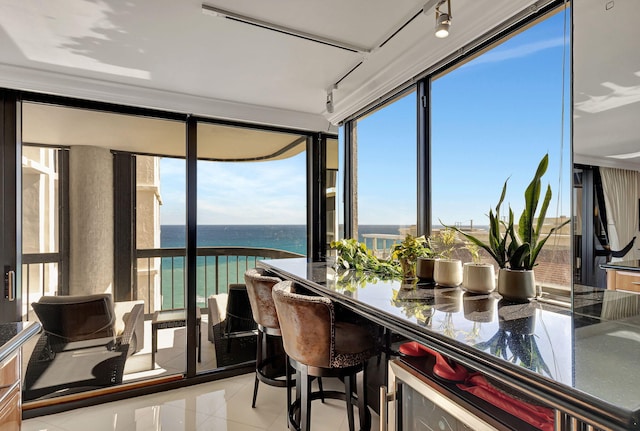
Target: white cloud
524,50
240,193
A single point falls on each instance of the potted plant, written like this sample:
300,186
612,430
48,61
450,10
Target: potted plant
516,252
447,272
354,255
477,277
407,253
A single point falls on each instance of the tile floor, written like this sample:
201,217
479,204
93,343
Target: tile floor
223,405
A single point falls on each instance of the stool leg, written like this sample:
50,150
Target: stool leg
298,402
363,409
258,365
289,382
348,392
305,403
287,376
320,389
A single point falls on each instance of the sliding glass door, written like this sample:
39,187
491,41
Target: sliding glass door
251,199
104,229
9,206
91,238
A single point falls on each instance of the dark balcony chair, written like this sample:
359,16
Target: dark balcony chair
239,320
271,361
320,345
79,348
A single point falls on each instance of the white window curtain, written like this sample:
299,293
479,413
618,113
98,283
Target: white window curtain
620,187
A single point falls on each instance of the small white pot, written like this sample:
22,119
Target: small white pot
478,277
516,285
447,272
424,269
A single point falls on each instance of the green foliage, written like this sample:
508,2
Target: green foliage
474,250
443,244
356,256
498,233
411,248
519,250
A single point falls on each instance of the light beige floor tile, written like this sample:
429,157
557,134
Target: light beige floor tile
223,405
39,424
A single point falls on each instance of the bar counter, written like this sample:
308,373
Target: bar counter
623,275
581,364
13,335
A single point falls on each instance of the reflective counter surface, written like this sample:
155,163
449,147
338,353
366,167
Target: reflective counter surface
13,335
589,358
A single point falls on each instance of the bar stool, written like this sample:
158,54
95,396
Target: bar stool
321,346
268,370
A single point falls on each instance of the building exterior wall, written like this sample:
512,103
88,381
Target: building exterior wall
148,203
91,220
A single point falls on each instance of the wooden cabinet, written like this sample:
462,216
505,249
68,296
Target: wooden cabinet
623,280
10,395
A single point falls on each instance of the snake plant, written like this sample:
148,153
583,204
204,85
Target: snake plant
519,249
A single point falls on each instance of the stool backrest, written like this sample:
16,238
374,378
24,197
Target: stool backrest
307,324
259,286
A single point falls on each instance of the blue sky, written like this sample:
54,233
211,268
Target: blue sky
492,118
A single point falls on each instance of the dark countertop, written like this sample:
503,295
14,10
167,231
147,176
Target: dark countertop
13,336
626,265
582,363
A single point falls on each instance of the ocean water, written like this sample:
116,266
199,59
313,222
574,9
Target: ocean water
211,280
284,237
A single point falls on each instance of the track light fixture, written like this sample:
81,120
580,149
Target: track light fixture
443,19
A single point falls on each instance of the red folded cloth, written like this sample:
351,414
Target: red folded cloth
538,416
445,369
476,384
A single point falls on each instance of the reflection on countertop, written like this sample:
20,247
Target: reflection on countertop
627,265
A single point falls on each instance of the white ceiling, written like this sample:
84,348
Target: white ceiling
606,83
168,54
64,126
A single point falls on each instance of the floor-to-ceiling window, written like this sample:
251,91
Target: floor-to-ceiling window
105,211
385,181
493,118
251,198
90,200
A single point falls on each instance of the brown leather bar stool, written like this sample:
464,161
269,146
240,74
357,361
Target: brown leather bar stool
321,346
271,364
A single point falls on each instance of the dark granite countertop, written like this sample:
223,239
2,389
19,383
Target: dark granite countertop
589,360
13,335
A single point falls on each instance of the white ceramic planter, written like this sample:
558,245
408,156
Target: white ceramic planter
516,285
424,269
478,277
447,272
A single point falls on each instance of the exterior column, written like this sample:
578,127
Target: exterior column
91,220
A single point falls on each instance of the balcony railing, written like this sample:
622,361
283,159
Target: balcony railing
160,273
